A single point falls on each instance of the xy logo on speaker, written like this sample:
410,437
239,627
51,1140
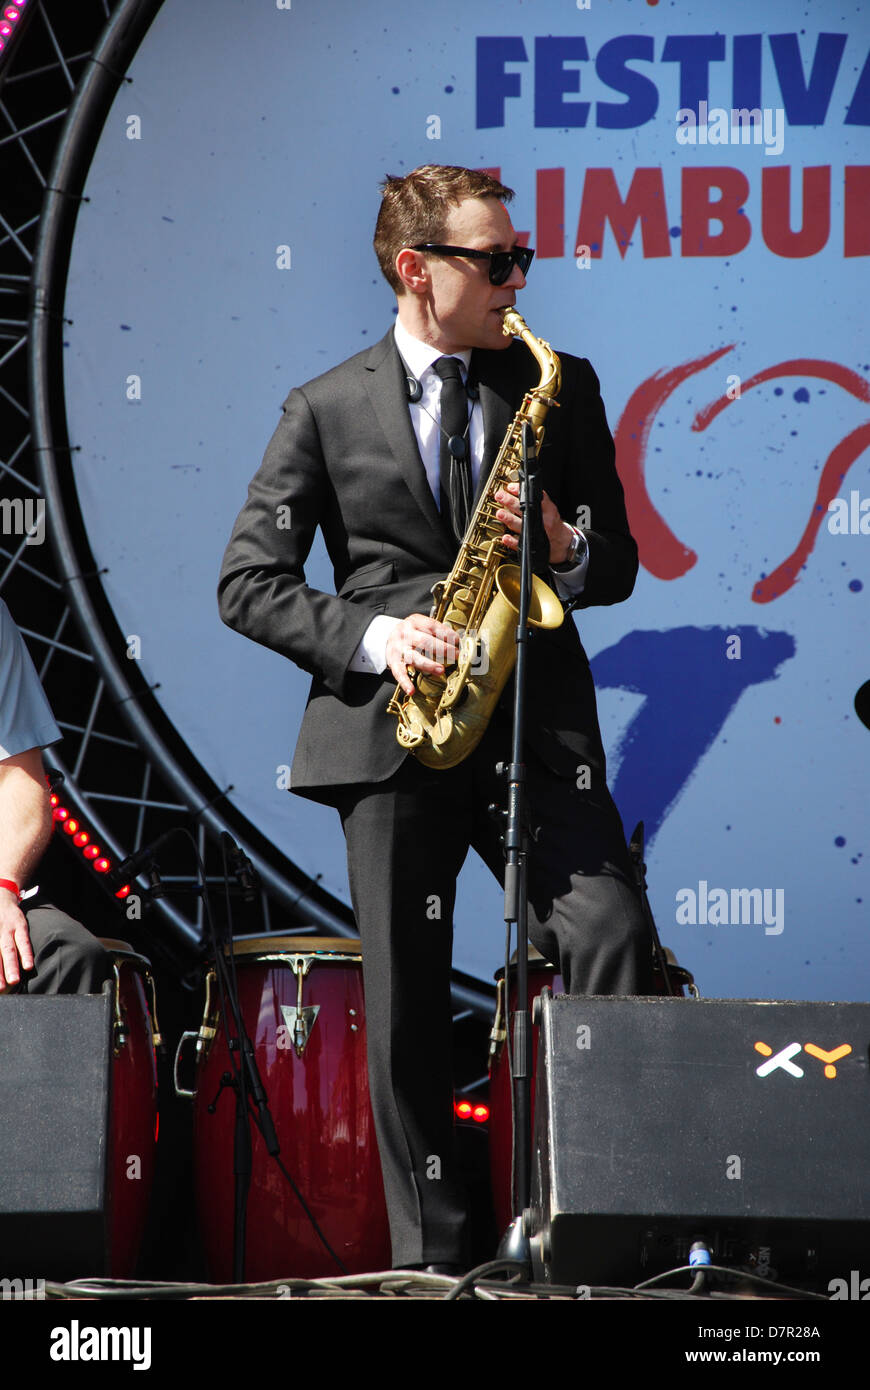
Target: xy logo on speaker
783,1060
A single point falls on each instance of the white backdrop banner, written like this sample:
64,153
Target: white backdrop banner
696,182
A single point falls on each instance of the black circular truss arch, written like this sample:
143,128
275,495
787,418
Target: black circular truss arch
129,774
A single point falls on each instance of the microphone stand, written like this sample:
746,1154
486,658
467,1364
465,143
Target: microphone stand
247,1081
515,1244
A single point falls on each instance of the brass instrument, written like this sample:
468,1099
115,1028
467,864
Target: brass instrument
446,717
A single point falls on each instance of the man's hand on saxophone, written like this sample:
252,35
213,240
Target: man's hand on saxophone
559,533
423,643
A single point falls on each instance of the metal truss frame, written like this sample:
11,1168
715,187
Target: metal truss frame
127,773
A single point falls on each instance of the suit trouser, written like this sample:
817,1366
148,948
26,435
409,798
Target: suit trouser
406,841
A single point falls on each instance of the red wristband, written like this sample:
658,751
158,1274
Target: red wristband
13,887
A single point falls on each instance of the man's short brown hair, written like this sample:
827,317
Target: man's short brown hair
415,208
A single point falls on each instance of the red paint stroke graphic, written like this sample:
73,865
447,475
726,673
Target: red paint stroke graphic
661,552
837,465
850,381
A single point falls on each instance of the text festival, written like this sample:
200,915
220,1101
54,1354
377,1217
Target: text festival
543,86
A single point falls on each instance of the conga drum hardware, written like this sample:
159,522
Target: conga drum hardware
498,1032
299,1018
120,1029
682,980
204,1035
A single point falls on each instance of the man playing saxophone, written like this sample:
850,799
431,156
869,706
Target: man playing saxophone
386,453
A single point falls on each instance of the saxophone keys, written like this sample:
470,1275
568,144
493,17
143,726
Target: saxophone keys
410,738
441,729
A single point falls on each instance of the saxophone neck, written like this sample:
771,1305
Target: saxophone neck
514,326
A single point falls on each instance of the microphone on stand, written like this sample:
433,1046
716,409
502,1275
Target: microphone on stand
133,865
155,883
241,866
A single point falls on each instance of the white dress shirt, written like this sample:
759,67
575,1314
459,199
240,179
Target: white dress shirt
371,654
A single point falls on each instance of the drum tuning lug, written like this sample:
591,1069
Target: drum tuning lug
182,1091
299,1021
156,1036
119,1022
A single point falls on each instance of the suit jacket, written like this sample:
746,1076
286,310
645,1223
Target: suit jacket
344,457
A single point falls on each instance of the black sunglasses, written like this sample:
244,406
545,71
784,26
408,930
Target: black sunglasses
501,263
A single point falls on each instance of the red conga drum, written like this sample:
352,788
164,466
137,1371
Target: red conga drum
134,1118
301,999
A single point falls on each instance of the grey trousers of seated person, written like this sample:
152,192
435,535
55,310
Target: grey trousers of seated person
68,959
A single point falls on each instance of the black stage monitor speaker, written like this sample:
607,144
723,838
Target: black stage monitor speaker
55,1070
664,1121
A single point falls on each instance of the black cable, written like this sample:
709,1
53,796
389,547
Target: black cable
756,1279
302,1202
517,1267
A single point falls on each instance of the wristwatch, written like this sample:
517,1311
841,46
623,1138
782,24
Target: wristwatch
575,553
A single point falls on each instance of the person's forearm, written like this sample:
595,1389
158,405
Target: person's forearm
25,816
25,830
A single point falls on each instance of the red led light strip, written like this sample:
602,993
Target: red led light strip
11,14
80,837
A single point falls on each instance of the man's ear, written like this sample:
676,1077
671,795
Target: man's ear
412,271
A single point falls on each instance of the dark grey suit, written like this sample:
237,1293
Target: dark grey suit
344,457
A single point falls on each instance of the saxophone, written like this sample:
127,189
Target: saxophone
446,717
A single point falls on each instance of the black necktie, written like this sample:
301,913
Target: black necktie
454,454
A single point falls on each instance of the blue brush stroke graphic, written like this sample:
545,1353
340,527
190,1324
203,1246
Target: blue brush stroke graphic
690,688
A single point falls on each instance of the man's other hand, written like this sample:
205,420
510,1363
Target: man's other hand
559,533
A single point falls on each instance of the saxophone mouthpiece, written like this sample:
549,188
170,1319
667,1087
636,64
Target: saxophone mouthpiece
513,324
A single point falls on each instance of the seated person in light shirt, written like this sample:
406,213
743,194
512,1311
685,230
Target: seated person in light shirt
42,950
